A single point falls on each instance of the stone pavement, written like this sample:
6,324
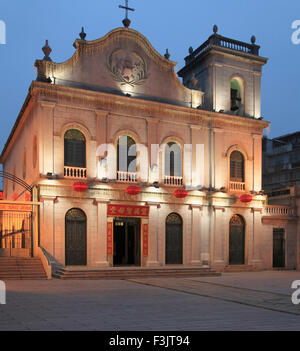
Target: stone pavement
235,301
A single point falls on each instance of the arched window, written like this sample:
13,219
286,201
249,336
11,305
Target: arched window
236,95
237,167
75,154
173,239
173,164
76,238
236,240
126,159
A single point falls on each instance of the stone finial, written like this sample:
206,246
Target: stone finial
191,50
82,34
126,22
253,39
47,51
167,54
215,29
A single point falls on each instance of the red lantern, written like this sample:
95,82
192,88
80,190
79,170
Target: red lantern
15,196
80,187
133,190
180,193
2,195
246,198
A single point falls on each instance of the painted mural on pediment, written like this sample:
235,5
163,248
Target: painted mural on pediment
122,62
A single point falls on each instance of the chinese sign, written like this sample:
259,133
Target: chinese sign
127,211
110,239
145,239
15,207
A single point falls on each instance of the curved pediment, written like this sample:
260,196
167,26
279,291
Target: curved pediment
123,62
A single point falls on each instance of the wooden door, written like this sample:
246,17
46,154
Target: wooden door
173,239
278,248
76,238
236,240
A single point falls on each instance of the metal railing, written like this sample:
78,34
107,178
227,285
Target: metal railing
16,233
74,172
127,177
173,180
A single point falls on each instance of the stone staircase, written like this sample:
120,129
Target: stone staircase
239,268
133,272
21,268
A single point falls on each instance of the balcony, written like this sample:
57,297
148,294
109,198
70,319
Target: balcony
173,181
237,186
74,172
279,211
127,177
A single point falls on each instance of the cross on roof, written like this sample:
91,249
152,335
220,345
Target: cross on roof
126,21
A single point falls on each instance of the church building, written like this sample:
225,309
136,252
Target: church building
135,168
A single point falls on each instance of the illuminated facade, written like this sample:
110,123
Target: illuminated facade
169,167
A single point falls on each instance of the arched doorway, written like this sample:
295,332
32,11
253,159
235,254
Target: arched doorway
236,240
75,238
173,239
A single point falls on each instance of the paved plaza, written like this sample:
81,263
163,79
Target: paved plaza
234,301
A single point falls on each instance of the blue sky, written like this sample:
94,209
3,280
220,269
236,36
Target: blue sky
172,24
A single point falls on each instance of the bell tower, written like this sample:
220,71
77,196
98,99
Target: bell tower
229,72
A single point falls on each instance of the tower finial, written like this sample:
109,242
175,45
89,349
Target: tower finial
167,54
47,51
82,34
126,21
215,29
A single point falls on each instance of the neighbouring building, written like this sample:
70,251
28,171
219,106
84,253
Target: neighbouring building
135,168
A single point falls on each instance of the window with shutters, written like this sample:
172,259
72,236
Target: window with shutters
74,154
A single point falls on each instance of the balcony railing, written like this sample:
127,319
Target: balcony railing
279,211
127,177
219,40
237,186
74,172
173,181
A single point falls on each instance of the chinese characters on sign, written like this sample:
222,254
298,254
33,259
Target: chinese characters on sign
127,211
109,239
145,239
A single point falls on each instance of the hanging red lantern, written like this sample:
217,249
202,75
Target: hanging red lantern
133,190
80,187
180,193
246,198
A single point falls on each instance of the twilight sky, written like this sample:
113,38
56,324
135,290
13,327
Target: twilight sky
172,24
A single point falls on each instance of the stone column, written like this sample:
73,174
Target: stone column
152,129
205,236
195,249
47,235
256,162
46,139
100,245
153,234
218,236
256,233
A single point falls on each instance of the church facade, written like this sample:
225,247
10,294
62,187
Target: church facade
134,168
